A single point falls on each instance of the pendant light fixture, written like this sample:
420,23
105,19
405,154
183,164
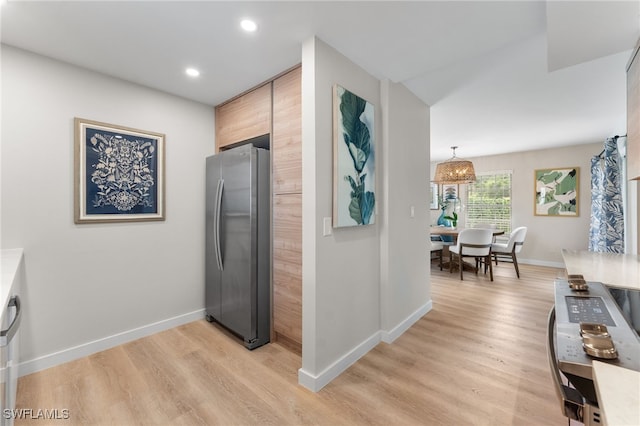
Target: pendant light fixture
455,170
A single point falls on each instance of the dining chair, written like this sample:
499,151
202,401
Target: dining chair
511,247
486,225
436,248
475,243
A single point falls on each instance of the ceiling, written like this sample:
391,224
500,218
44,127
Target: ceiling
502,76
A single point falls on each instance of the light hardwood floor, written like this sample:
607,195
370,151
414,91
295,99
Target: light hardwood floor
478,358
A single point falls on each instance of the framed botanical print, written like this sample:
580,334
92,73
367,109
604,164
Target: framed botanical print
354,171
433,196
450,192
556,192
119,173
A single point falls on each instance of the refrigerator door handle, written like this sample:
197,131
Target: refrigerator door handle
216,225
7,335
214,220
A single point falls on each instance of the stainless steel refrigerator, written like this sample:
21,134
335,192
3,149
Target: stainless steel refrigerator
238,266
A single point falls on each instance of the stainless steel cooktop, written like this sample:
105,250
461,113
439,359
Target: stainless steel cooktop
594,304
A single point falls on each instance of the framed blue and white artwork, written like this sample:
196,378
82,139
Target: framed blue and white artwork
353,160
119,173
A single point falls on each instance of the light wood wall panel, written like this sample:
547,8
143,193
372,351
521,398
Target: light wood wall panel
633,115
286,151
287,133
287,268
245,117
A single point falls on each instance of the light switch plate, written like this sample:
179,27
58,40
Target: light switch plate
326,227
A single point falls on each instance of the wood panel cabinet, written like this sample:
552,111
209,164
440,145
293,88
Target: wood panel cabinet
286,154
633,115
633,124
275,108
287,270
286,141
245,117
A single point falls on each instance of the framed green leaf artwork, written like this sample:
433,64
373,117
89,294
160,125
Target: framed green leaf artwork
557,192
354,197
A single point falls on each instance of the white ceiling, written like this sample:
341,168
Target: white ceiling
501,76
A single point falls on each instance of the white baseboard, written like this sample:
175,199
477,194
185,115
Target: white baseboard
89,348
315,383
398,330
536,262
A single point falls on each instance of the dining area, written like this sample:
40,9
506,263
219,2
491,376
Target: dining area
479,244
487,235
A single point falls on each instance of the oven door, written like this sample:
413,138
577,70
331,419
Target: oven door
572,404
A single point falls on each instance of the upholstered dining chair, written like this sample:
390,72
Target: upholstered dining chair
511,247
486,225
436,248
475,243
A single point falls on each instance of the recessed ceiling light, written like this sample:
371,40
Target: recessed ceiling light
192,72
248,25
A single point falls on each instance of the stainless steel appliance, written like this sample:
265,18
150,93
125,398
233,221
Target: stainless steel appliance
238,266
586,316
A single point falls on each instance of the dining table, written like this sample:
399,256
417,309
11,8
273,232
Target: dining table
453,232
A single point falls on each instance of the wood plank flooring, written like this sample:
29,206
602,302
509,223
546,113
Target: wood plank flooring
478,358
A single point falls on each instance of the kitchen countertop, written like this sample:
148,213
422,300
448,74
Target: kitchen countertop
10,263
618,270
618,394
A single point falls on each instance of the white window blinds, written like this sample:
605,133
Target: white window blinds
489,200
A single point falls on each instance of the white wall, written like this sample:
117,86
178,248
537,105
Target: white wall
546,235
405,288
370,283
341,275
90,282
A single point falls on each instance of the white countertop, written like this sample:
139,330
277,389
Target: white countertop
618,270
10,262
618,394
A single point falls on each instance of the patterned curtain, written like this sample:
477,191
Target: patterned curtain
606,233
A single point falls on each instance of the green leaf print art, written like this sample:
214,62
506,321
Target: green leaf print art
557,192
354,163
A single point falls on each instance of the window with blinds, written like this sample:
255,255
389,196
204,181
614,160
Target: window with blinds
489,200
